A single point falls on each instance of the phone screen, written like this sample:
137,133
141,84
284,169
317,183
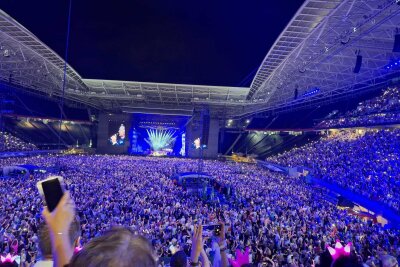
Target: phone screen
53,193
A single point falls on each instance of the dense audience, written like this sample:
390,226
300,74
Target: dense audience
367,162
11,143
384,109
283,221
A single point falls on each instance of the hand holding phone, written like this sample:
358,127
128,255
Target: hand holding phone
60,208
60,219
59,223
51,190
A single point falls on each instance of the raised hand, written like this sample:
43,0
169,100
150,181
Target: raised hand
197,243
60,219
59,222
221,236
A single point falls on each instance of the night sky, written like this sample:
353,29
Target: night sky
193,42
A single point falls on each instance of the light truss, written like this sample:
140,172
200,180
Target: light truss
28,62
163,93
317,49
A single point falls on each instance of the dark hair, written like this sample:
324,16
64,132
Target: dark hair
117,247
179,259
349,261
9,264
325,259
44,237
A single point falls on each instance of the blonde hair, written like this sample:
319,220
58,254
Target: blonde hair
117,247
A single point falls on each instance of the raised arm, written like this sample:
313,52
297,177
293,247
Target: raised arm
59,222
197,245
223,246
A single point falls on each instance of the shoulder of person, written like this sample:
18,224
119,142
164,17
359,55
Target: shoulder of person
44,263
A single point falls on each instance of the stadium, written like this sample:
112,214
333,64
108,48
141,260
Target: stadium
156,133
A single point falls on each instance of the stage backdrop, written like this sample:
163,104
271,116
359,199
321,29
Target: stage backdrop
158,135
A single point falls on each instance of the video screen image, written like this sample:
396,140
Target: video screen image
117,133
197,144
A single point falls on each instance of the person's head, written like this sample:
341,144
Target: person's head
8,261
113,139
45,242
121,131
179,259
388,261
117,247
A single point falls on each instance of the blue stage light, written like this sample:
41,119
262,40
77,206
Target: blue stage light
313,91
392,64
160,139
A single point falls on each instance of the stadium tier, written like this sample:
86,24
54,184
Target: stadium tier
12,143
365,161
380,110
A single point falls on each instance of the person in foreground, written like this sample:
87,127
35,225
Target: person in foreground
119,246
198,256
59,222
45,243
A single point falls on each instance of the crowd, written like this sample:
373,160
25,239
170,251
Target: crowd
366,162
383,109
11,143
361,120
283,221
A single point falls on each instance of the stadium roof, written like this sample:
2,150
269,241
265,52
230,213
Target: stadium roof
317,49
124,94
31,64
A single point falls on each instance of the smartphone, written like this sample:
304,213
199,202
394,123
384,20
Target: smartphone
209,230
51,190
